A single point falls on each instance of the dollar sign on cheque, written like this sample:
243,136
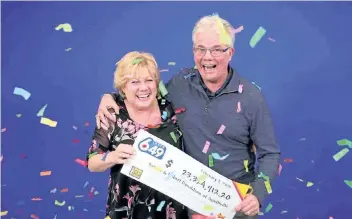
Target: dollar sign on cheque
168,164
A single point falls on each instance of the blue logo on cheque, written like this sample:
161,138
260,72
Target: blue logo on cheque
152,147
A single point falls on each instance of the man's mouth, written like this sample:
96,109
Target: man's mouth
209,68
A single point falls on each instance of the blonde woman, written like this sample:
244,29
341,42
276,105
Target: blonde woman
140,107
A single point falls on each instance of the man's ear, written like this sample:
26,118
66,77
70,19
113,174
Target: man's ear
232,51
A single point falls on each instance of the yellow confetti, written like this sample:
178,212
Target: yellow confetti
309,184
208,207
158,169
202,178
245,163
45,173
66,27
4,213
107,217
48,122
340,154
224,36
60,203
268,187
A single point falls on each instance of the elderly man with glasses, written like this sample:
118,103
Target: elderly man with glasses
223,113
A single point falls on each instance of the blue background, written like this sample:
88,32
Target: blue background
305,75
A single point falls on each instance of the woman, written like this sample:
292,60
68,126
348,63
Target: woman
141,107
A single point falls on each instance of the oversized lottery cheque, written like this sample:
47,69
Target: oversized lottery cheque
174,173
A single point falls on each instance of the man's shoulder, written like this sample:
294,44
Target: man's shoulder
251,90
185,73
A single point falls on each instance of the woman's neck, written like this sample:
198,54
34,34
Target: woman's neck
148,116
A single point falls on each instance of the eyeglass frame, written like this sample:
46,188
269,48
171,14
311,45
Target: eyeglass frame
211,50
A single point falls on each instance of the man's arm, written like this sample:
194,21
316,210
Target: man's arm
268,152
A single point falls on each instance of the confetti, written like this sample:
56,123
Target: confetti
48,122
202,178
256,85
41,111
79,196
340,154
160,206
309,184
3,213
22,92
268,187
206,147
107,217
74,127
224,36
34,216
300,179
172,63
45,173
136,61
268,208
68,49
96,193
284,212
257,36
85,184
238,30
53,191
164,116
66,27
162,89
81,162
216,156
271,39
18,115
180,110
349,183
240,88
288,160
245,163
37,199
221,130
64,190
208,207
60,203
173,136
70,208
86,124
279,169
3,129
211,161
345,142
238,107
75,141
262,175
163,70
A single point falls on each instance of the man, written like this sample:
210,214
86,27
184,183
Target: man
224,114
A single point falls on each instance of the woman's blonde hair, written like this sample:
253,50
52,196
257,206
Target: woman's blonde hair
129,65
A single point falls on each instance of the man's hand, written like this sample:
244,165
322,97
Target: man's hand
103,114
121,155
249,206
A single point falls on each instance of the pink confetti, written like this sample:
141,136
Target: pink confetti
3,129
163,70
271,39
81,162
240,88
221,130
206,147
238,30
279,170
238,107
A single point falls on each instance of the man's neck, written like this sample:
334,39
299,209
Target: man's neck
213,87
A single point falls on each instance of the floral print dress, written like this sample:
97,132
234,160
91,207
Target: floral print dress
128,198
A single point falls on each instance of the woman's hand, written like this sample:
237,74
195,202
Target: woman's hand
121,155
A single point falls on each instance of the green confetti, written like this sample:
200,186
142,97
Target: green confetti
41,111
262,175
171,63
349,183
211,161
257,36
173,136
340,154
136,61
92,154
268,208
309,184
345,142
162,89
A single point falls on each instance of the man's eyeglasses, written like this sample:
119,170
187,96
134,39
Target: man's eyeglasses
213,52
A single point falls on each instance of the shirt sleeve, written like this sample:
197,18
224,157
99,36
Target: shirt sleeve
268,152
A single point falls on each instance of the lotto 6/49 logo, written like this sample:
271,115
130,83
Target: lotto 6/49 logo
152,147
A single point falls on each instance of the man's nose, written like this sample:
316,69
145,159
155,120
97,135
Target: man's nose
207,55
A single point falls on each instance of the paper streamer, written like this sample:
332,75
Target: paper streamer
221,130
160,206
206,147
22,92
